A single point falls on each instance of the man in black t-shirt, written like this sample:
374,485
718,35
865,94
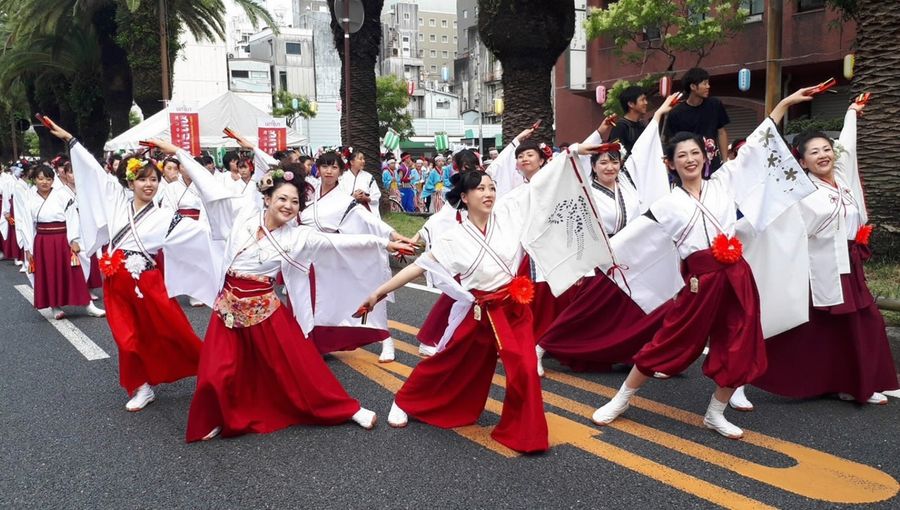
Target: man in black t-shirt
699,113
634,103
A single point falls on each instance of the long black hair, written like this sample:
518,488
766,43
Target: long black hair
463,182
682,136
466,161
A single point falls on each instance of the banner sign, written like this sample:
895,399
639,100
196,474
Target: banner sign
272,135
184,122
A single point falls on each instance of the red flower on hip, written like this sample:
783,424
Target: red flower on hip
862,235
110,264
521,290
727,250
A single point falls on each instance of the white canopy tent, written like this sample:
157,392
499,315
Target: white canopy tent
229,110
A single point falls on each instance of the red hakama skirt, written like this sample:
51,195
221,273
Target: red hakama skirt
450,388
263,378
56,282
602,326
725,311
155,340
842,349
10,244
95,281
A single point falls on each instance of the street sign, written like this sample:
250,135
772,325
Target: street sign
357,14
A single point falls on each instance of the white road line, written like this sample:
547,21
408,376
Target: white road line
79,340
422,287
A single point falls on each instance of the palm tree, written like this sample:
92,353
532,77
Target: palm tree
360,125
878,72
527,36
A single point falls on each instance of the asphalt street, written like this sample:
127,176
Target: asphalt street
66,440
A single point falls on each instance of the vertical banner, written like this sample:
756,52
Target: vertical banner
272,135
184,122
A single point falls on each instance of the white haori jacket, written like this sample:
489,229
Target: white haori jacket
348,183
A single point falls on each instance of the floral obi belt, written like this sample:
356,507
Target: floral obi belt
246,300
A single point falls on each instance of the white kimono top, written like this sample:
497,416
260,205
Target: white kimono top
338,212
348,266
104,205
348,183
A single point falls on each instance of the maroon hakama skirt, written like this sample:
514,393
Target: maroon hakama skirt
10,244
263,378
545,307
450,388
56,282
602,326
155,340
95,281
435,323
842,349
724,310
340,338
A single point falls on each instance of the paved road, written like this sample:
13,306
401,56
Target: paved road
67,442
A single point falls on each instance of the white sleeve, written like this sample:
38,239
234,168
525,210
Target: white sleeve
846,166
504,172
646,168
262,162
100,194
217,199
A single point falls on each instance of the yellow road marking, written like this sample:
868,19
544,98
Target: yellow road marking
562,431
816,474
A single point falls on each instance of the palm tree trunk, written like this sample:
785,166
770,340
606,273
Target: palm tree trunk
527,36
116,71
359,125
878,72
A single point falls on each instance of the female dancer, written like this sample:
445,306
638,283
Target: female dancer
360,184
155,340
484,251
333,211
59,278
576,337
9,243
257,372
843,348
720,301
73,228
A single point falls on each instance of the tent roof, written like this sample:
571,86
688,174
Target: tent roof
228,109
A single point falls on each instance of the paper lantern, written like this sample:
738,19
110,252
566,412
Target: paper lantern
313,106
665,86
744,80
601,94
849,64
498,106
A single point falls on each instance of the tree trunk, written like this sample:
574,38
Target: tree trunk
361,122
878,72
116,71
48,97
527,36
141,42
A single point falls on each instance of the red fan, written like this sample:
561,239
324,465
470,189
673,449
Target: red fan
147,143
611,119
229,133
822,87
44,120
863,99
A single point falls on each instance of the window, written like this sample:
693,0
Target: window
406,16
651,33
455,39
292,48
421,36
465,13
445,39
454,23
240,74
444,23
443,104
445,54
810,5
433,54
431,22
433,69
421,22
754,7
282,75
259,75
432,38
406,40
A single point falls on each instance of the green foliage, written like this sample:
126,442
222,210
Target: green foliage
133,118
32,144
406,224
692,26
800,125
284,107
391,100
612,94
849,9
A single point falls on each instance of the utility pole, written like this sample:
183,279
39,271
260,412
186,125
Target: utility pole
164,49
774,14
346,21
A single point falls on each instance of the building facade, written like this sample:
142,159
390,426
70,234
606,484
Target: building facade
814,43
477,73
